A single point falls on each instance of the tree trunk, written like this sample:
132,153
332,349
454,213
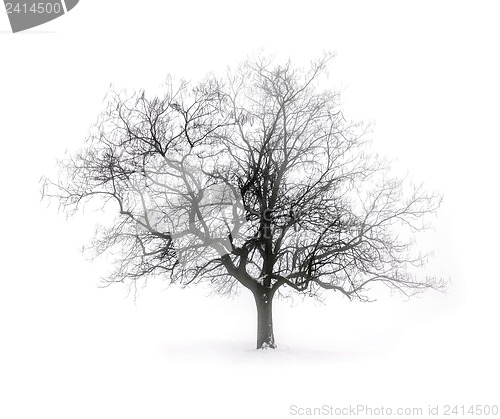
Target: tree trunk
265,335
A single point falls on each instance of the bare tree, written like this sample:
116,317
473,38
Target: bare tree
254,179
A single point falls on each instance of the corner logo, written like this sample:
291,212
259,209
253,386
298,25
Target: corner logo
26,14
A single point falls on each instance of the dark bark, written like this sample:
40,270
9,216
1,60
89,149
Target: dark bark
265,335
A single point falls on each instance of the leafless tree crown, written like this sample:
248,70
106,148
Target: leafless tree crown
253,179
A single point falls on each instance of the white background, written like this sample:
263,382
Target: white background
426,72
